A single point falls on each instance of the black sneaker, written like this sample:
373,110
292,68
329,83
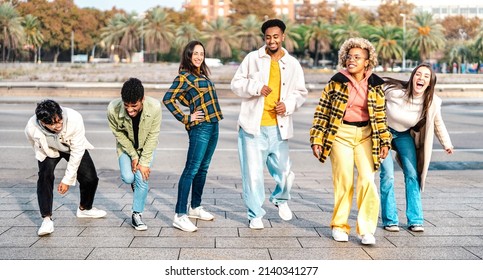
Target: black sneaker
132,187
137,222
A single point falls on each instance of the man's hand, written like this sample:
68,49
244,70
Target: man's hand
134,165
317,151
265,91
384,152
145,171
280,108
62,188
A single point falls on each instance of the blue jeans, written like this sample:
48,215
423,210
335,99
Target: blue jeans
254,152
140,186
202,143
403,144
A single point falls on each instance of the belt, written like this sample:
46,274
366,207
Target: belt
358,124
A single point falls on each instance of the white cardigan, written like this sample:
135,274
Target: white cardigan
72,135
252,74
424,138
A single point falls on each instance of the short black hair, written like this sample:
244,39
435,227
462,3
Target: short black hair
273,23
47,110
132,91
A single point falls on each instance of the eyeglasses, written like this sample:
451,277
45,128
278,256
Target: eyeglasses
356,57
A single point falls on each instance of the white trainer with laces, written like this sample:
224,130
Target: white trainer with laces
91,213
183,223
368,239
256,223
284,211
200,213
340,235
47,227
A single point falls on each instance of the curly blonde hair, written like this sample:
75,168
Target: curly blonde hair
357,43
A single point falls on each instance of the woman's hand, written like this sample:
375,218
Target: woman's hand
449,151
384,152
317,151
197,116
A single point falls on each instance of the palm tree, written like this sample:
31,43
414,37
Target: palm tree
291,36
33,36
185,33
426,35
11,28
248,32
220,37
387,41
159,31
354,26
112,33
317,38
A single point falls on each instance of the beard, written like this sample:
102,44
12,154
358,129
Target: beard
272,51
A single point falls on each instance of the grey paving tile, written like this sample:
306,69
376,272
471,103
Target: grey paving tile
174,242
298,223
13,242
477,251
134,254
201,232
455,222
24,231
223,254
319,254
83,242
125,231
257,242
469,214
278,232
328,242
45,253
438,253
420,241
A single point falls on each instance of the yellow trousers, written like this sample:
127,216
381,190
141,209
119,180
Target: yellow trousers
353,146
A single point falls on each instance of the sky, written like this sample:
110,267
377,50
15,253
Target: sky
138,6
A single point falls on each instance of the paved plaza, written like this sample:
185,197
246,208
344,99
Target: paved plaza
452,202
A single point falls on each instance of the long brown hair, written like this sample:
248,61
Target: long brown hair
407,87
187,65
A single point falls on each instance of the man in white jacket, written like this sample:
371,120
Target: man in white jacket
272,86
57,133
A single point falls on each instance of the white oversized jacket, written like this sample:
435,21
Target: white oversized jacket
252,75
72,135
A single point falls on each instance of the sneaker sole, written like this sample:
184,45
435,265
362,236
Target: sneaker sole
184,229
391,230
140,228
199,218
44,233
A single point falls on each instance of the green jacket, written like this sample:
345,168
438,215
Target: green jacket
149,127
330,110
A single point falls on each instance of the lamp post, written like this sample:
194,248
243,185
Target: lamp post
404,42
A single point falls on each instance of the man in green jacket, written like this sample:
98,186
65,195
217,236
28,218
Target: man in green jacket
135,121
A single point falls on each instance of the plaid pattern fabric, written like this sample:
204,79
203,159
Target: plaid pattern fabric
196,92
330,110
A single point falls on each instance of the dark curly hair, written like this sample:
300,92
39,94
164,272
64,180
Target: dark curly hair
132,91
273,23
47,110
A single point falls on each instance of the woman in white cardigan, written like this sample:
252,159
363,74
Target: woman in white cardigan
414,117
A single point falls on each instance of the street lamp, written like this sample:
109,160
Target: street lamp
404,42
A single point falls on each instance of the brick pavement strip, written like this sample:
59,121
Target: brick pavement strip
453,214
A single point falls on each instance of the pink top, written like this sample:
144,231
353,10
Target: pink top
356,110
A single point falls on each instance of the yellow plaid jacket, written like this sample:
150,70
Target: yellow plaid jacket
330,110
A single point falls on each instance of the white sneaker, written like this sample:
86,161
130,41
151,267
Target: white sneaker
47,227
200,213
340,235
91,213
183,223
368,239
284,211
256,223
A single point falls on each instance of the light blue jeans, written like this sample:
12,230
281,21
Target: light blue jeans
140,186
256,151
403,144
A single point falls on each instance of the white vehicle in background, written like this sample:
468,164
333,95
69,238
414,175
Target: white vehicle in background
213,62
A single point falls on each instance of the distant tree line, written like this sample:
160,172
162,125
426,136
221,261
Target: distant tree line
41,30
